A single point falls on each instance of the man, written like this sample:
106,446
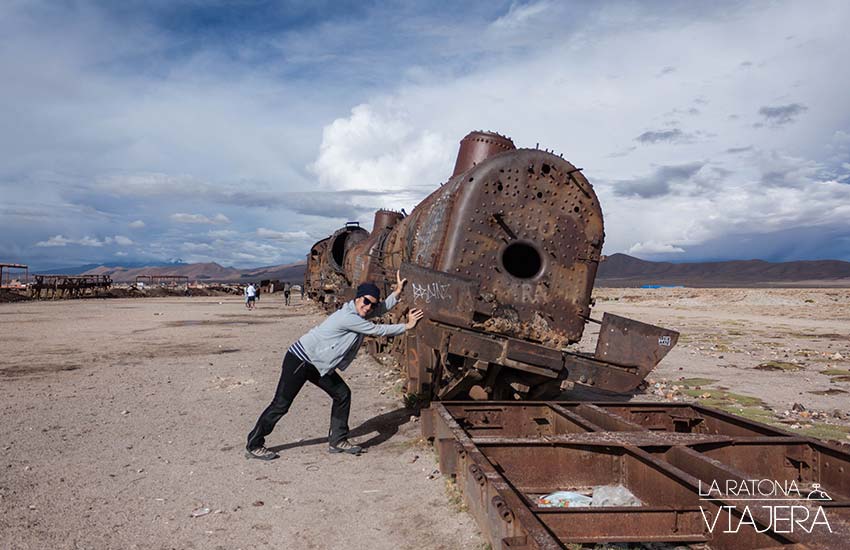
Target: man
287,291
250,296
316,357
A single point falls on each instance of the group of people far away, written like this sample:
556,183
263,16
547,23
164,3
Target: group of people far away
252,294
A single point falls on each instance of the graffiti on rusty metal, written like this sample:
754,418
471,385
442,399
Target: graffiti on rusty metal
431,291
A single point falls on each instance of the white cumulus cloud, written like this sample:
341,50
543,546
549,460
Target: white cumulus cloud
654,247
283,236
381,149
182,217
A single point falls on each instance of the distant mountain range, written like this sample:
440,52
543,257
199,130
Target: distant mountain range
617,270
624,270
80,269
209,272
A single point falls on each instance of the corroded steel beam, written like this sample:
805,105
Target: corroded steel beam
699,475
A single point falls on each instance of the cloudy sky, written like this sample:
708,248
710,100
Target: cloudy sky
242,131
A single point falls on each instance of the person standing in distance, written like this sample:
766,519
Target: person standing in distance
250,295
287,291
318,355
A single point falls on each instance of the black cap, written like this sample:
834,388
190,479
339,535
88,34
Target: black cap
368,289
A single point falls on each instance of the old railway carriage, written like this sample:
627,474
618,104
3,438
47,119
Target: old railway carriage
502,258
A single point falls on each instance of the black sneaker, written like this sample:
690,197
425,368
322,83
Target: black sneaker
261,453
345,446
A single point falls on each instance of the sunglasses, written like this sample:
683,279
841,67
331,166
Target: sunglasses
368,302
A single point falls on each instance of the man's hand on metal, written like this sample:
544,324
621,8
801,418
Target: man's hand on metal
413,318
399,284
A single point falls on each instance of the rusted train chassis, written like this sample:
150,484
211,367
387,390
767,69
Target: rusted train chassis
699,475
502,259
446,360
68,286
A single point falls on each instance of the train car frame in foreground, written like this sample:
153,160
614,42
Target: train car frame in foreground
699,475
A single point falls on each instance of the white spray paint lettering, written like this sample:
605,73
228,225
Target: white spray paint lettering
430,291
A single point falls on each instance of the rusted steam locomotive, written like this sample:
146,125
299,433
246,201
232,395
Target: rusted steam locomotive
502,259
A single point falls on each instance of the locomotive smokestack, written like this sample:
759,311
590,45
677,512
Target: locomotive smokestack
479,146
385,219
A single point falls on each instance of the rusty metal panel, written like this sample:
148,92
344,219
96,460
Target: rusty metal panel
630,343
598,374
535,354
507,454
443,297
475,345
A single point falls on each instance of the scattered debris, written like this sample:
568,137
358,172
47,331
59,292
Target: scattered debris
564,499
198,512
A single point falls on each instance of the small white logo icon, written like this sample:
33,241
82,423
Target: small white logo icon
817,494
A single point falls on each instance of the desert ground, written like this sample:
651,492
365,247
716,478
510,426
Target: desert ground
780,356
123,420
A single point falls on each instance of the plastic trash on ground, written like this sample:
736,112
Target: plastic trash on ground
614,495
564,499
602,495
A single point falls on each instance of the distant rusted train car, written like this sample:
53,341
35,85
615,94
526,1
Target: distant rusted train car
502,259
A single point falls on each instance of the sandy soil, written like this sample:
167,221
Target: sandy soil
122,417
756,352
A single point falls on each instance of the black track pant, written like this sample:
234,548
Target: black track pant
292,377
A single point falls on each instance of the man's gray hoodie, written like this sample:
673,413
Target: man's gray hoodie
334,343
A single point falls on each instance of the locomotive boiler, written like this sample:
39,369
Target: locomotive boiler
502,258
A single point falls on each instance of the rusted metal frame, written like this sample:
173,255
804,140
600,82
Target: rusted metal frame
505,502
459,385
484,474
646,523
700,466
577,419
680,523
706,468
592,372
69,285
602,439
692,465
496,505
607,420
693,483
478,480
742,422
816,462
490,340
6,278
